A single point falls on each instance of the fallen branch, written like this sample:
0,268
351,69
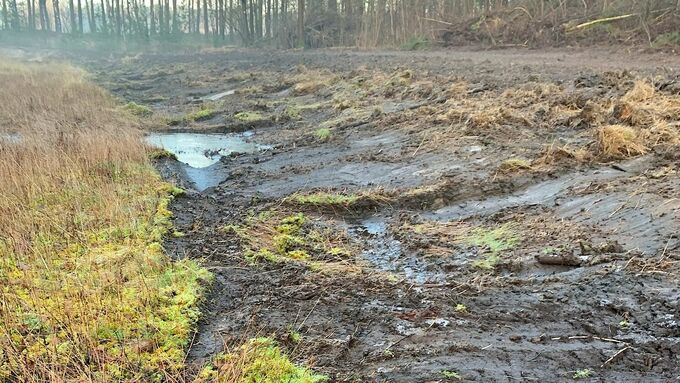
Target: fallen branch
437,21
599,21
614,356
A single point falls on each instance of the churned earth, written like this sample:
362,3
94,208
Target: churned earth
480,216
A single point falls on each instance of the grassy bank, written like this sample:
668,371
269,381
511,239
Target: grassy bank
87,292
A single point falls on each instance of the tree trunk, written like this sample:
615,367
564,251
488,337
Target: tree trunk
80,17
301,23
89,15
5,18
268,19
93,27
44,20
198,17
245,31
161,18
152,19
259,15
105,27
72,15
30,15
206,21
15,21
166,7
57,16
119,27
174,17
232,27
190,16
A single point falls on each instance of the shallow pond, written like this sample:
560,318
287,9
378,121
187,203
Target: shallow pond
200,151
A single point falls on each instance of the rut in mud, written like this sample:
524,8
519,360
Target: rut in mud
421,219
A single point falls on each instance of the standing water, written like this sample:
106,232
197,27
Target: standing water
199,153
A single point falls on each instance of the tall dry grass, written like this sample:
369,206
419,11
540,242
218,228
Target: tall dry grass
86,291
70,136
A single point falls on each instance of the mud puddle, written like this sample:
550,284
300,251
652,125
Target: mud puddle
637,219
545,193
200,153
385,253
219,96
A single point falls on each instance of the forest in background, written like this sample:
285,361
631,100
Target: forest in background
410,24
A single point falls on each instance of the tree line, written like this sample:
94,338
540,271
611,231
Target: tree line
291,23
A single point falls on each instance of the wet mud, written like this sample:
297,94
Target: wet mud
454,264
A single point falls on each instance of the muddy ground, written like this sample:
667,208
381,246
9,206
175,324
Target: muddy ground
492,238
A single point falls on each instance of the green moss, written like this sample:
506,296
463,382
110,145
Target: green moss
249,116
259,360
323,134
339,252
495,240
293,335
201,115
582,374
283,243
135,305
326,199
233,229
298,255
293,112
138,110
295,219
451,375
262,255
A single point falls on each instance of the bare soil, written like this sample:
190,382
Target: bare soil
590,280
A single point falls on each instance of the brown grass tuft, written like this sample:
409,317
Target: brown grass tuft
642,91
558,154
619,142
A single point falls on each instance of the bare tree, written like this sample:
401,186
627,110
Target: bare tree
301,23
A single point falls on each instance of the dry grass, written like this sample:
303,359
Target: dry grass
87,293
557,154
514,165
641,91
619,142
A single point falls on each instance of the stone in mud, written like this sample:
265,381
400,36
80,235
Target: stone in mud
565,259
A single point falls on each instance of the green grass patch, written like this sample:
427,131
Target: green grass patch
416,43
157,154
272,237
666,39
248,116
201,115
138,110
326,199
582,374
259,360
323,134
495,240
451,375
